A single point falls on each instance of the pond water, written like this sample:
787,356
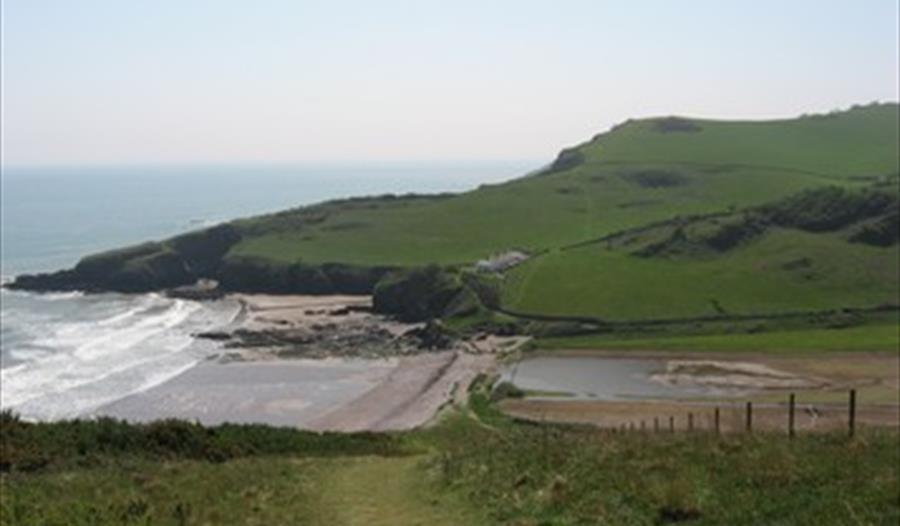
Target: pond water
597,378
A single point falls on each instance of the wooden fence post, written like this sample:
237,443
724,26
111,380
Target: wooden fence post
656,424
852,416
545,441
716,418
690,421
672,424
749,424
791,401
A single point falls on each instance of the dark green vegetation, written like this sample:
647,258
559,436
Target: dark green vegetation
530,474
865,337
423,293
39,446
657,219
476,468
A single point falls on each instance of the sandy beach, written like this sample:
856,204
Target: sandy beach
316,362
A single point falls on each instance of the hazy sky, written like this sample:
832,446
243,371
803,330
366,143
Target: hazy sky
91,81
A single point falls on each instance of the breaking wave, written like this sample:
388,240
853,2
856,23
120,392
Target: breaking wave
66,355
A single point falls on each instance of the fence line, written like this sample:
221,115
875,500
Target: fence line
748,419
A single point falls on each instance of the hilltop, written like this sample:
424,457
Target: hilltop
656,219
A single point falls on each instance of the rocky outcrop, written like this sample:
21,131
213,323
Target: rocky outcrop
422,294
240,274
141,268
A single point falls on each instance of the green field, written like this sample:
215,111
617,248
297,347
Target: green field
534,213
724,164
867,338
859,142
631,177
614,285
474,468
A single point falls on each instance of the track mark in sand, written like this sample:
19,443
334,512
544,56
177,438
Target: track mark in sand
386,491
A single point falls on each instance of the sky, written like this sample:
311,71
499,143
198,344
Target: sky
193,81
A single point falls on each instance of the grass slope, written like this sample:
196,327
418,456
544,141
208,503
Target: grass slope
861,142
759,278
476,467
378,491
640,173
725,164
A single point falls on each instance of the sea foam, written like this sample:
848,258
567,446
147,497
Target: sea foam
65,356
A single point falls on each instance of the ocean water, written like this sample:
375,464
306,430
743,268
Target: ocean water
65,355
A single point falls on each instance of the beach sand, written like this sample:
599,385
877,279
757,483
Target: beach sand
345,393
276,392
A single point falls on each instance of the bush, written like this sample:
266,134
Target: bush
506,390
31,446
419,294
830,208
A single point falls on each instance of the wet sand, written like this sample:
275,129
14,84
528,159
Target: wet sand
345,393
276,392
821,382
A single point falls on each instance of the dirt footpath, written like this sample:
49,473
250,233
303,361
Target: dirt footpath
386,491
411,394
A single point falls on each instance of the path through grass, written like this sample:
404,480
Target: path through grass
386,491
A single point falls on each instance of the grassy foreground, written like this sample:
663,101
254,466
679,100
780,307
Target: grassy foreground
475,468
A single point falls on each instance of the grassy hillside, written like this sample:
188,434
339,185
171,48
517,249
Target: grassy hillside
774,217
858,143
534,213
637,173
474,468
775,259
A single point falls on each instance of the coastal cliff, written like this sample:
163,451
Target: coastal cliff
186,259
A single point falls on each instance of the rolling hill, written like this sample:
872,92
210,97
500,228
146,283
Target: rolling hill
662,218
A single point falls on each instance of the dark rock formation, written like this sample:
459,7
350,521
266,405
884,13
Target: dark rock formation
418,294
178,262
257,275
566,160
434,335
203,290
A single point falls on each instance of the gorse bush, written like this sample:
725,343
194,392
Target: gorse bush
30,446
829,208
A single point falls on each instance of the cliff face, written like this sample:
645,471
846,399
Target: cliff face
198,255
256,275
141,268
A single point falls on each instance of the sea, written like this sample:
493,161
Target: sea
65,355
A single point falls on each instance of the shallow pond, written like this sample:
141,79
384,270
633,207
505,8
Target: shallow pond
597,378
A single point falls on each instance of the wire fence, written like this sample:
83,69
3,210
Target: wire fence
743,419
